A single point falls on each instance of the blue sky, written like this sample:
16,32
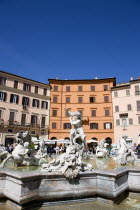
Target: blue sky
70,39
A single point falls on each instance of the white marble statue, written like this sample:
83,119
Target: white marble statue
78,132
101,150
41,153
22,154
125,154
70,163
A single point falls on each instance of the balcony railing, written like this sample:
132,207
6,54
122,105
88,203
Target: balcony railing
12,122
44,126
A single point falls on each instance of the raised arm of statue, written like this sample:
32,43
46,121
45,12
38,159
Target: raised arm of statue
69,113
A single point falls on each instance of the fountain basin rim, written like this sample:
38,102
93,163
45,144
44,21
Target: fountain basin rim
24,175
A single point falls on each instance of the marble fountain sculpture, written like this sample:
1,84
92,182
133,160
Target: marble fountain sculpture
101,151
125,154
70,163
65,178
23,154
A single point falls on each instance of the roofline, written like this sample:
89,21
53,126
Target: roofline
111,78
23,77
134,80
120,86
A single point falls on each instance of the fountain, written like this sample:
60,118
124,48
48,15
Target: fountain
70,163
66,177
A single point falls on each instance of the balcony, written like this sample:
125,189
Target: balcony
28,125
12,122
43,126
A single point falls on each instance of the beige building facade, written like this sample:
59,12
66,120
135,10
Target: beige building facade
92,98
126,111
24,106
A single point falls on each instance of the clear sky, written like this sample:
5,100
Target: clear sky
70,39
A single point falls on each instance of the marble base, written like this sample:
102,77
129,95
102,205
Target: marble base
22,189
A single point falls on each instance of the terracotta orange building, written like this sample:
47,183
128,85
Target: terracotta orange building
91,97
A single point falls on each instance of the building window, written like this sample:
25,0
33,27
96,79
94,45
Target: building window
10,130
127,92
115,94
92,99
44,105
67,88
36,89
42,133
80,99
15,84
3,96
67,126
137,90
44,91
80,88
107,125
106,99
93,125
54,125
67,99
43,121
117,122
11,118
54,112
105,87
92,88
129,107
23,119
107,112
54,99
33,132
27,87
138,105
33,120
55,88
116,108
14,99
2,80
93,113
35,103
25,102
130,121
124,122
138,119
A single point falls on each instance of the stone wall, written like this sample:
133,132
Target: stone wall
23,188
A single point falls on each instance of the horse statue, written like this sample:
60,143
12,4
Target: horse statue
22,154
125,153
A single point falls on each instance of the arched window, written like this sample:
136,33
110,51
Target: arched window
108,140
67,138
94,138
53,138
